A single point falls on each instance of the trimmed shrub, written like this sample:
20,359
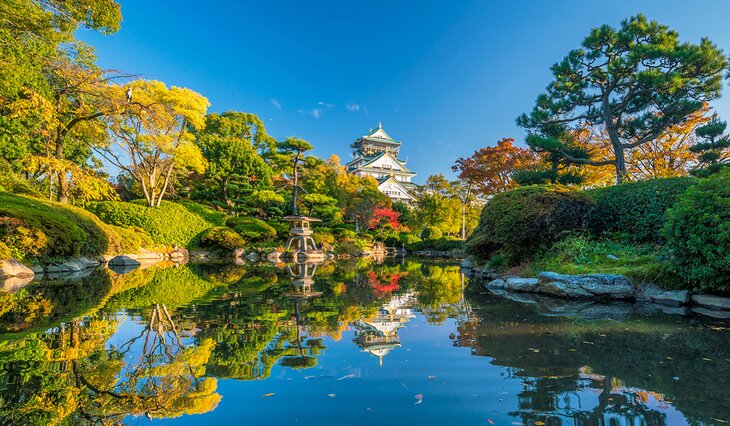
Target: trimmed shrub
323,236
636,212
133,238
168,224
520,222
442,244
409,239
341,233
38,230
221,238
252,229
698,234
431,233
213,216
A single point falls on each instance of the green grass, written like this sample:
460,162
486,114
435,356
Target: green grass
580,255
36,230
169,224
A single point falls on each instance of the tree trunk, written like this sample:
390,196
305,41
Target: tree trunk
62,193
226,196
621,171
463,220
296,187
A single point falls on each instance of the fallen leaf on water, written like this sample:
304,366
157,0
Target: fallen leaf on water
503,393
331,395
572,350
348,376
534,350
266,395
491,422
430,377
517,423
718,420
587,343
669,357
309,377
419,399
539,423
706,359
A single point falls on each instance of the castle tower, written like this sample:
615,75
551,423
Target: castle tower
376,155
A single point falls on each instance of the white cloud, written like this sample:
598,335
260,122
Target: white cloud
276,104
352,107
316,112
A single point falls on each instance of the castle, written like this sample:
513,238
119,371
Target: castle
376,155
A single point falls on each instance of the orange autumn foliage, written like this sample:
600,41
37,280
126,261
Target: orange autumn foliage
490,169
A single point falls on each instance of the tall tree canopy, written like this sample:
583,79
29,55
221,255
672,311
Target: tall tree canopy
234,169
713,150
150,140
635,81
50,87
490,170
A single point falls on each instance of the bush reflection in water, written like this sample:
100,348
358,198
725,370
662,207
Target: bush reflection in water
110,347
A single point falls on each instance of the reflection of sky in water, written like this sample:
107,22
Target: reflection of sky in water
484,360
456,386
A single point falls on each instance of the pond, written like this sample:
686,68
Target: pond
407,343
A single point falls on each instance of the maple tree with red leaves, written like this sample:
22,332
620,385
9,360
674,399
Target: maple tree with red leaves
384,216
380,288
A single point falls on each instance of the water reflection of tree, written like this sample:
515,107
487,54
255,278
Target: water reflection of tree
550,354
166,380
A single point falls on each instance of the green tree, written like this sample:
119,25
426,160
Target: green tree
228,141
40,57
714,150
294,149
153,133
634,81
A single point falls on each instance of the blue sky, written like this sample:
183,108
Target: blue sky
444,77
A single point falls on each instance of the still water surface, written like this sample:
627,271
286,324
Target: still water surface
348,343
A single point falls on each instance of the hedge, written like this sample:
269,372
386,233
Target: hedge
698,234
431,233
636,212
37,230
168,224
519,223
221,238
252,229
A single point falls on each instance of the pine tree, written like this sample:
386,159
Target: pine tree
714,151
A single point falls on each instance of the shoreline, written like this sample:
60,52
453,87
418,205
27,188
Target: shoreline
595,289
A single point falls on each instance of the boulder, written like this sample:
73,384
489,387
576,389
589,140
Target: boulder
275,255
200,253
497,284
712,302
144,254
527,285
711,312
253,257
467,264
584,309
179,253
88,263
601,286
13,268
124,261
13,284
71,266
652,294
239,252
